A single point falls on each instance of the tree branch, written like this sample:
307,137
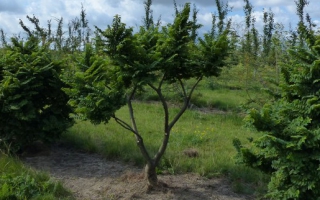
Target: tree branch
161,82
139,139
186,103
123,124
131,112
166,130
164,105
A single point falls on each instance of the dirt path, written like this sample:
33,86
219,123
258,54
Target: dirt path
90,176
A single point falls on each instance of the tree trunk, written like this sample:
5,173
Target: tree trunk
151,175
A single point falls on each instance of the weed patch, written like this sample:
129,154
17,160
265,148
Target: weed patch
18,182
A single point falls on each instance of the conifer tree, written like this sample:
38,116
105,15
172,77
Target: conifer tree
288,149
32,104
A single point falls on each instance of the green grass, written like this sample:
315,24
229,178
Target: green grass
19,182
212,94
209,134
220,99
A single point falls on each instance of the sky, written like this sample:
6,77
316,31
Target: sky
101,12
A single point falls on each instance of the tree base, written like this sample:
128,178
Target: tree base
160,186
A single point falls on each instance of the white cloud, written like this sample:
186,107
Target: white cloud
314,11
12,6
9,21
127,6
271,3
182,2
291,9
205,18
236,5
238,24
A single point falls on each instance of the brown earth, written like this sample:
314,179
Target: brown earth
90,176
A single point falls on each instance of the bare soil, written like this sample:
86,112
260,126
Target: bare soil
91,176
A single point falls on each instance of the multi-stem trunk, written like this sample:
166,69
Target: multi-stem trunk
151,174
152,163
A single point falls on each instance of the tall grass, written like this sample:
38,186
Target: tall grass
209,134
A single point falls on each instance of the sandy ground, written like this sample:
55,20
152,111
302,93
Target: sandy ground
90,176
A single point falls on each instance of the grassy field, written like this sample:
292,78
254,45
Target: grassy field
207,132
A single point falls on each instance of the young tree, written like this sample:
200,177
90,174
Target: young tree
300,6
148,19
250,46
268,27
149,58
3,38
43,34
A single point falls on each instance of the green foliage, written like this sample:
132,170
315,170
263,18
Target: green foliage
212,49
17,182
134,55
19,187
96,94
32,104
184,59
169,53
174,47
289,148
